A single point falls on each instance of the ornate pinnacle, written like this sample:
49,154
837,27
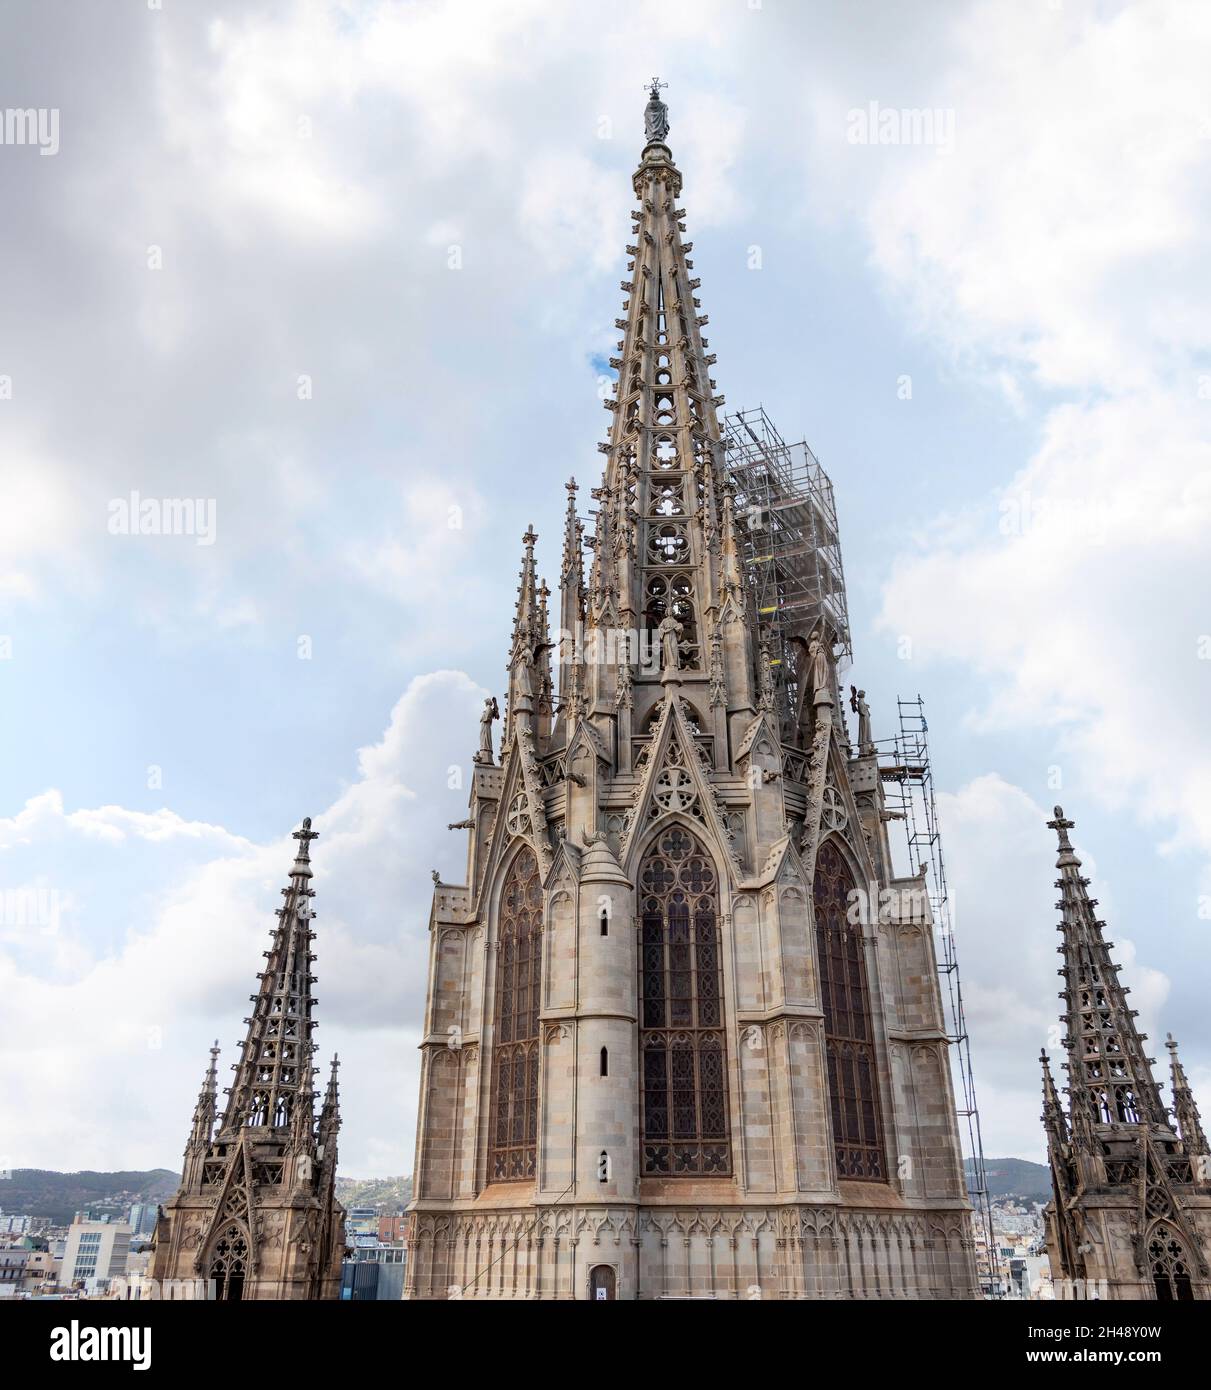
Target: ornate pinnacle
1185,1108
1051,1100
203,1113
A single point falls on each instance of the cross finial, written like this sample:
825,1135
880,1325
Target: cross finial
655,87
1061,826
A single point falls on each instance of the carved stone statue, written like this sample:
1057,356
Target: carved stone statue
524,669
857,702
491,711
655,114
670,653
819,677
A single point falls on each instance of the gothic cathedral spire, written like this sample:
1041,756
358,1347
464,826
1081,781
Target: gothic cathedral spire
1109,1077
256,1214
1126,1219
648,1018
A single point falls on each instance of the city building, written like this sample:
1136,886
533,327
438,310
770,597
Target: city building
41,1272
361,1221
94,1254
142,1218
1130,1215
13,1262
683,1034
391,1229
256,1214
373,1271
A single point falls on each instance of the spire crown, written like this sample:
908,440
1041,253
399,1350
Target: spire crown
302,860
1061,825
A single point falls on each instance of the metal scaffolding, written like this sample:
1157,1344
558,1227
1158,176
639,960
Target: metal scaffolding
787,519
907,778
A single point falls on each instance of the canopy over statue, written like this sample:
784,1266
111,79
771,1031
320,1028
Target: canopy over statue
656,114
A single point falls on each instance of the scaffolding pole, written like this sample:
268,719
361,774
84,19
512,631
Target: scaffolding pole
907,778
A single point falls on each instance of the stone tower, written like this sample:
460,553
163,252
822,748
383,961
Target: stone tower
256,1214
667,1052
1130,1215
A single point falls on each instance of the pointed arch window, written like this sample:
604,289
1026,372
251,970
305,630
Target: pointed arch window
681,1041
1170,1266
228,1265
514,1131
848,1028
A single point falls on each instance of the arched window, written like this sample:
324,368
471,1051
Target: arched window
685,1124
515,1052
848,1033
228,1264
1170,1265
605,1062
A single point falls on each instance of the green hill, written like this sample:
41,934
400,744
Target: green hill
1016,1177
389,1194
58,1196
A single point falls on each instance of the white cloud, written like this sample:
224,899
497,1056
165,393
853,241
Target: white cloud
104,1050
1051,246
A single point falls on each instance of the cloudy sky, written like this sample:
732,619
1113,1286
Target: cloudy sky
347,273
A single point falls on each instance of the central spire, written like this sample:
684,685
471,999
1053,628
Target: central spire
662,528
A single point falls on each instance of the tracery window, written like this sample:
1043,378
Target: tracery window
685,1121
848,1032
228,1265
1170,1266
514,1128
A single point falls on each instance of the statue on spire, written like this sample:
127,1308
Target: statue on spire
491,711
656,113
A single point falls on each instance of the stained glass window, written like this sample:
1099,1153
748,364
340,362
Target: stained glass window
514,1130
685,1119
848,1033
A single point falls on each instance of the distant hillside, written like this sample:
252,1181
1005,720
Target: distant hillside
58,1196
391,1194
1016,1177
